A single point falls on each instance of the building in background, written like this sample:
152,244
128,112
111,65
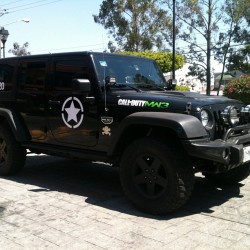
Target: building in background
183,79
196,85
227,77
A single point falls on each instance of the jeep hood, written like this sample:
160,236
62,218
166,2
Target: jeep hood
171,100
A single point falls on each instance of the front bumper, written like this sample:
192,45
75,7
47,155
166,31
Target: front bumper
231,151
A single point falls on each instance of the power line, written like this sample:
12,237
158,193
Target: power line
10,11
200,45
10,3
68,48
27,4
101,48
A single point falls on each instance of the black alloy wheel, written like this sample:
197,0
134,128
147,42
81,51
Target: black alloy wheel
150,176
156,176
12,155
3,151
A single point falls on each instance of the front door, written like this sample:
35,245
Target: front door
72,119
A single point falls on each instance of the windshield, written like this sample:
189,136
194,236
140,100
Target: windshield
129,70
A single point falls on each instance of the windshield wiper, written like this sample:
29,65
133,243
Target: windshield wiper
127,85
149,86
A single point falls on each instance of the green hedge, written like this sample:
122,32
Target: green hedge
182,88
164,59
238,89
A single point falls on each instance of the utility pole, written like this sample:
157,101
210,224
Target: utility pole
209,47
173,59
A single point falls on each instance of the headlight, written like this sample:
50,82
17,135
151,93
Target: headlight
204,118
230,116
245,114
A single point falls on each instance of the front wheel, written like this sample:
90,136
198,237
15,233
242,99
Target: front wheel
231,177
155,177
12,155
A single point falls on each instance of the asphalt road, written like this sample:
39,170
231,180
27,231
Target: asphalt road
58,203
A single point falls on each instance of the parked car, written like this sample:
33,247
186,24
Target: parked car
119,109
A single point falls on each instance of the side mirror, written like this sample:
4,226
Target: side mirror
81,85
174,83
110,80
171,84
168,85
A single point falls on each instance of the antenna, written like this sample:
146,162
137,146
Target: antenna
105,90
104,76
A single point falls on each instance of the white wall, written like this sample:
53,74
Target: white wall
182,79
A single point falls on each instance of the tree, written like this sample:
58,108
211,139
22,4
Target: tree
20,50
239,57
240,60
199,19
244,9
135,25
223,46
164,59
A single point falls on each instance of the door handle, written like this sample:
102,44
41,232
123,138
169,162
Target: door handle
54,103
89,99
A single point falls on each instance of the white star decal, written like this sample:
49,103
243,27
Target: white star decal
72,112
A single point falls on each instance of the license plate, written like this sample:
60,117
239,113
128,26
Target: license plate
246,154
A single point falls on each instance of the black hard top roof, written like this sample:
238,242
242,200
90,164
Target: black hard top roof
77,53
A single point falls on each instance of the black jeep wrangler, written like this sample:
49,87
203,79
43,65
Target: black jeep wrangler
119,109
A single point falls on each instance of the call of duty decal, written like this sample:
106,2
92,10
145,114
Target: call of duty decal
142,103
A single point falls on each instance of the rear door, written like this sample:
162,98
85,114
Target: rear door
31,98
7,72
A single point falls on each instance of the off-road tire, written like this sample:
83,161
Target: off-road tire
12,155
156,177
231,177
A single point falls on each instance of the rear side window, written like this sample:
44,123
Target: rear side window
6,77
67,70
32,75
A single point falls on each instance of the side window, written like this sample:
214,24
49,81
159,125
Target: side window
32,75
6,77
67,70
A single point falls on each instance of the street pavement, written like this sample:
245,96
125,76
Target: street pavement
57,203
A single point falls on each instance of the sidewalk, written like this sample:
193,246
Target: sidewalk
58,203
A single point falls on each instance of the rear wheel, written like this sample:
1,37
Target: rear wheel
12,155
231,177
155,177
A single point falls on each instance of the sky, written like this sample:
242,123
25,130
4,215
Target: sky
55,25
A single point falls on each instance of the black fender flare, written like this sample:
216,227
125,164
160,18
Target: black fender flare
185,126
16,124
